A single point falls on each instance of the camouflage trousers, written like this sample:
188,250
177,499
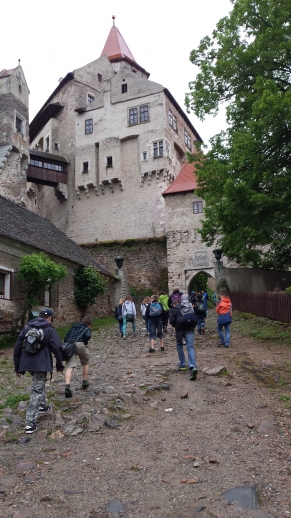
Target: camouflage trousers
37,397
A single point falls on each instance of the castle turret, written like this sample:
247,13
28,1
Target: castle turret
14,139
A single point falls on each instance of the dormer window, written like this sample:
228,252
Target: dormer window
90,98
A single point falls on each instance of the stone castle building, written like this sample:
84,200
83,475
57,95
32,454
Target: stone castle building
105,150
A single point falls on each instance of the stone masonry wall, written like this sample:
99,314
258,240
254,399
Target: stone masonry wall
143,260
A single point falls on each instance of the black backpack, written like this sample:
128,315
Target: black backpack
199,307
186,318
34,340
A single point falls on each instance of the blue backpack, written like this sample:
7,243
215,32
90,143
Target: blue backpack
186,318
155,309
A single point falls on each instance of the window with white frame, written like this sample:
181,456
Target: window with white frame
88,126
138,115
187,139
90,98
197,207
158,148
9,284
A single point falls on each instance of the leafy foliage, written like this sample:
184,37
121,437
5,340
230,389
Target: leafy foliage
89,283
199,283
245,177
39,273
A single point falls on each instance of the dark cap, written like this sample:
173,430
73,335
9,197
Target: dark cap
46,313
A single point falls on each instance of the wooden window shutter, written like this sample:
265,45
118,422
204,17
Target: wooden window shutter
54,296
14,286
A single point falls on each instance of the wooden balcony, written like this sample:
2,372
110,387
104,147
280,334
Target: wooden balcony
45,176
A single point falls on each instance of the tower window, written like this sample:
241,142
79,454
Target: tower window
158,148
88,126
109,162
124,88
133,116
143,114
85,167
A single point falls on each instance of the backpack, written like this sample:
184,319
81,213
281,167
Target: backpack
155,309
199,306
175,296
33,341
186,318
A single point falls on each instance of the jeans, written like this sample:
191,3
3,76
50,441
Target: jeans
201,323
147,323
224,340
120,323
189,338
125,324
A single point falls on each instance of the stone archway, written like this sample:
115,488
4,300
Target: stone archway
209,272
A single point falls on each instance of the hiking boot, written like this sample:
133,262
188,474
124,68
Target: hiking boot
162,348
182,368
31,429
43,409
193,374
124,338
68,392
85,385
151,350
220,344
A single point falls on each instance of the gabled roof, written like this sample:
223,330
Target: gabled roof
5,73
115,46
24,226
185,181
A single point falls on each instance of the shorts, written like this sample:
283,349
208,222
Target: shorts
83,353
156,328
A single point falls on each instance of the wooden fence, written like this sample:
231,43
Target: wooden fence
276,306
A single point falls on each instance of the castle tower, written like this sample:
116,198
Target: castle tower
14,138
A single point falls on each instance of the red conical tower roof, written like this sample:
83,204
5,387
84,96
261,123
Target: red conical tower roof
115,46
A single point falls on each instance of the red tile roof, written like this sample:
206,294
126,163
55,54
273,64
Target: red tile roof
185,181
115,46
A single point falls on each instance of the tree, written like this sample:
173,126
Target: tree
38,274
245,177
199,283
89,283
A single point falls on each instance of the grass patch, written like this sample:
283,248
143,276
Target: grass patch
262,329
12,401
7,341
96,324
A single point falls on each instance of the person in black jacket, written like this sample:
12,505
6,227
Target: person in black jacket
82,351
38,364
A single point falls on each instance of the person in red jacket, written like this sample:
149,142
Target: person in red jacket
224,311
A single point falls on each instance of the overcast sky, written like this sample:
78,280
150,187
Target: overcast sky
59,36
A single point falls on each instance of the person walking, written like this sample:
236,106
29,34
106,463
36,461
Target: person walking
143,309
81,332
129,314
37,363
200,312
163,299
224,319
118,316
155,313
176,295
183,319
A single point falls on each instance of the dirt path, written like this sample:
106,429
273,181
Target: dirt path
116,448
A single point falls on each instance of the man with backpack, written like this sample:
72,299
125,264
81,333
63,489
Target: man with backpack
33,353
200,312
155,315
184,320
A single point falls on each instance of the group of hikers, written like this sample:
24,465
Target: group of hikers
39,339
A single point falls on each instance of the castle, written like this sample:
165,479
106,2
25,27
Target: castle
105,149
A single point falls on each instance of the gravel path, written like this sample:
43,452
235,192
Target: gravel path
146,442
